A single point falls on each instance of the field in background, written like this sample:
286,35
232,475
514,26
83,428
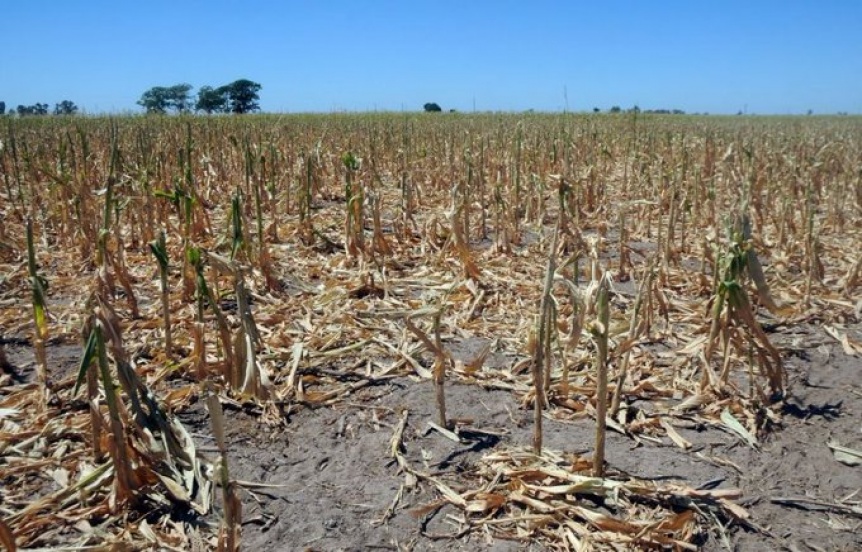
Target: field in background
661,278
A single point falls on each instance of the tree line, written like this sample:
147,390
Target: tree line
240,96
66,107
636,109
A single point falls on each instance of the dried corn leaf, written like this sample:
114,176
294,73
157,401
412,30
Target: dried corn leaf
845,455
731,423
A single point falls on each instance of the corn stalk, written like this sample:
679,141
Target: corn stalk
229,535
599,329
542,351
160,252
38,286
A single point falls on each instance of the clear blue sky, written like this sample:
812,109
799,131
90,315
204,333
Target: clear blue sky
696,55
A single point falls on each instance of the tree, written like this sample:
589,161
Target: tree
212,100
35,109
242,95
432,107
615,109
596,110
66,107
2,108
159,99
178,97
155,100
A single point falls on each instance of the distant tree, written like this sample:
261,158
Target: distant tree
35,109
242,95
432,107
809,112
2,108
155,100
615,109
212,100
66,107
453,111
178,97
596,110
635,109
160,99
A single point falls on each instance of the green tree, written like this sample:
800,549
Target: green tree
35,109
212,100
179,98
242,95
615,109
155,100
432,107
66,107
160,99
2,108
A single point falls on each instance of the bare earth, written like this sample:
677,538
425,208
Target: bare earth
332,479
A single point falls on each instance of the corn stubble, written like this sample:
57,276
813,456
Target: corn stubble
299,260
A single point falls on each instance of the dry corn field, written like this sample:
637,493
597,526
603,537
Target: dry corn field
431,332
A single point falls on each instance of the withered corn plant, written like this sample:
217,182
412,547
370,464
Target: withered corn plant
206,297
127,481
154,460
229,534
541,356
246,374
600,329
637,326
354,221
38,287
734,324
160,252
442,359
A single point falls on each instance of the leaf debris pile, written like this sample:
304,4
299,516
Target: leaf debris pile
518,496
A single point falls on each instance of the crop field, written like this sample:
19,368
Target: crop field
431,332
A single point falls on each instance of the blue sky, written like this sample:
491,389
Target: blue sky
696,55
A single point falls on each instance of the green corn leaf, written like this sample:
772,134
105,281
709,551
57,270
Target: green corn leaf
31,250
105,371
86,360
39,310
193,255
38,283
236,219
159,250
